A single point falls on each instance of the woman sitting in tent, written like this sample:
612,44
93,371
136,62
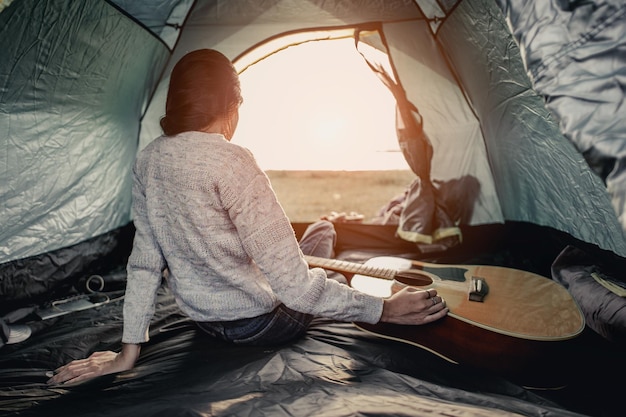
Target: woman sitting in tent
206,213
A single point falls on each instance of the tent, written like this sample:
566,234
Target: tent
510,113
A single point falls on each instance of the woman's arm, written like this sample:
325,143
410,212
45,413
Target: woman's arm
99,363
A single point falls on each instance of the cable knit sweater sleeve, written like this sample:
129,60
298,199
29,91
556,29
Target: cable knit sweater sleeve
268,238
144,268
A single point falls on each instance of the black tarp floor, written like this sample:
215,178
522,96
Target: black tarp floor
336,370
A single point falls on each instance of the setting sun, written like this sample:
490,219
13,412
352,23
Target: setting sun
318,106
331,127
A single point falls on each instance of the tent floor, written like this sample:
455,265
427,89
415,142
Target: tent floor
336,370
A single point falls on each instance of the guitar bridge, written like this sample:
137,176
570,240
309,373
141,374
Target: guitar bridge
478,289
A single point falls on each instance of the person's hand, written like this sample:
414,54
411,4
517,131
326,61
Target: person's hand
99,363
413,306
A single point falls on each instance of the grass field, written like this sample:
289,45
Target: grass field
308,195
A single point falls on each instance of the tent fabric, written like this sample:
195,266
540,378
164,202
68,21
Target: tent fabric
83,89
459,153
423,219
56,274
164,19
575,55
522,144
75,78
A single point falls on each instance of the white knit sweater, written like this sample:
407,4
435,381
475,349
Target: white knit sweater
204,209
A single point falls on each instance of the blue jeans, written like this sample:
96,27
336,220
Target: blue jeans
282,324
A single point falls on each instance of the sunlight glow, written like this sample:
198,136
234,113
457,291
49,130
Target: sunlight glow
330,127
318,106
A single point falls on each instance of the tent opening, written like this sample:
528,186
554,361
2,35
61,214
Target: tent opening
321,122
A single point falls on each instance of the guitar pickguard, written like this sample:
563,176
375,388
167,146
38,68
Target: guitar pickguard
448,273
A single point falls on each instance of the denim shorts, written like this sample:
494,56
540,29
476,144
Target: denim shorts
277,327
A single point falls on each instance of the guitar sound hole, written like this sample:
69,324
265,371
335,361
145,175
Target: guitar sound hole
413,278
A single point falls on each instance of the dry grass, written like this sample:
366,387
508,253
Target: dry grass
308,195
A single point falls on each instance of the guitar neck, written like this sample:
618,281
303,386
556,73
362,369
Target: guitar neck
351,267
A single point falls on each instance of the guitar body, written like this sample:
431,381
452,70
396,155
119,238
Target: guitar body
532,364
522,328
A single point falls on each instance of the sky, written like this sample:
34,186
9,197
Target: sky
318,106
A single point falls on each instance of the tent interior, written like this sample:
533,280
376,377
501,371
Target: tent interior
509,113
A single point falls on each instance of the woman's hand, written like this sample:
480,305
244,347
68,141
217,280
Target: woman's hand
413,306
99,363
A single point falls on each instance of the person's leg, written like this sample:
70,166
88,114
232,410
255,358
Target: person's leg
319,239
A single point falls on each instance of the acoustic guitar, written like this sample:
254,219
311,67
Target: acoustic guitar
512,322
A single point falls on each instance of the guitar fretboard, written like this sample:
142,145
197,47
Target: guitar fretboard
351,267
